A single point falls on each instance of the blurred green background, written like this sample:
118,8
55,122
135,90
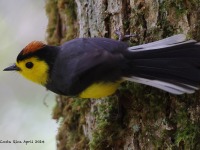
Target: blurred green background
23,115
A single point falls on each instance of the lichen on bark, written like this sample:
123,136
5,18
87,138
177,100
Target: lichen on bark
153,119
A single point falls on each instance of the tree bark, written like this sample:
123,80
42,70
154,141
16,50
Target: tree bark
153,119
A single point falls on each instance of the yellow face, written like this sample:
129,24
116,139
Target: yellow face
34,69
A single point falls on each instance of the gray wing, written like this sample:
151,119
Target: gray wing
82,62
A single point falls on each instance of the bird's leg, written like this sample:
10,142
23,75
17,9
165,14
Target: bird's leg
122,37
119,34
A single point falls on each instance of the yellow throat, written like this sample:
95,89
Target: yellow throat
39,72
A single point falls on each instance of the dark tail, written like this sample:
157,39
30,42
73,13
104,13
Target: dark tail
171,64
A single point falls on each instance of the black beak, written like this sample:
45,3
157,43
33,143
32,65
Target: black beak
12,68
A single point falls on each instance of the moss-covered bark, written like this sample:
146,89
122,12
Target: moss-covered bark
154,119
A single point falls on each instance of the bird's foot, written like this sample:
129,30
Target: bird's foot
122,37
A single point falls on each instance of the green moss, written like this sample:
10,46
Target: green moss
188,131
80,104
52,13
62,21
71,116
71,15
158,129
163,130
68,7
107,128
179,6
188,134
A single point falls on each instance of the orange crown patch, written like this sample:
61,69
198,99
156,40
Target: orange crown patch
33,47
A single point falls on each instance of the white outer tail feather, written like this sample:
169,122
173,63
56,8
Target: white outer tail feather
167,42
168,87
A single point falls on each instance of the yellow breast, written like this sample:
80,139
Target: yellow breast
99,90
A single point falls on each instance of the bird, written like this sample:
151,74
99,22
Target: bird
95,67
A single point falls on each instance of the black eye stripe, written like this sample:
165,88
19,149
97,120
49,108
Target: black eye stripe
29,65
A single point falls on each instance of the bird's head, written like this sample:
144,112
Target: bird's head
33,62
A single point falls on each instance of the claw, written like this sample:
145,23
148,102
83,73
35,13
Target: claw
121,36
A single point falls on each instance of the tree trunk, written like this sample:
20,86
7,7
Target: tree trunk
153,119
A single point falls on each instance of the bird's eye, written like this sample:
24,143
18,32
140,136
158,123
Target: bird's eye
29,65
